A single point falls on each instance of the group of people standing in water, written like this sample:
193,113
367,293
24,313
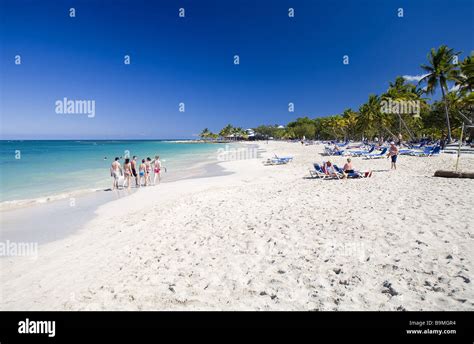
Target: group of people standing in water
142,173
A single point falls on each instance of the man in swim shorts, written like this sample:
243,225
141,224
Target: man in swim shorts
142,172
134,169
115,172
393,154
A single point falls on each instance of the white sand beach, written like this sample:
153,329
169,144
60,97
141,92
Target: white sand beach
266,238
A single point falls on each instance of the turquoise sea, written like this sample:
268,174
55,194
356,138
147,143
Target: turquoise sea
34,169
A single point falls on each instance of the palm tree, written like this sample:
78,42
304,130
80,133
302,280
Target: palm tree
465,79
350,118
439,71
370,116
465,83
226,131
400,90
239,133
205,134
338,126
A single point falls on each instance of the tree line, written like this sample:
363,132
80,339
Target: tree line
382,115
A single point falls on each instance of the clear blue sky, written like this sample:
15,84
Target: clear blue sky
190,60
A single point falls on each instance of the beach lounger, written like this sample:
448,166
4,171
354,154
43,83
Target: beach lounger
360,153
289,158
405,151
331,152
376,155
349,175
428,151
342,144
436,151
274,161
355,174
319,173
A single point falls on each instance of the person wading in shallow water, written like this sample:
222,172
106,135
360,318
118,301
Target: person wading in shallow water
156,169
134,170
127,167
393,154
142,171
115,172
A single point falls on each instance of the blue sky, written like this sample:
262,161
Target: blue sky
190,60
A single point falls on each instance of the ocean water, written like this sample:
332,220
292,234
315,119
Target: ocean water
34,169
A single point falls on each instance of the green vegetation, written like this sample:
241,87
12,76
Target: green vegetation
228,132
435,119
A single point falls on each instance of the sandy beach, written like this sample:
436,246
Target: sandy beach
266,238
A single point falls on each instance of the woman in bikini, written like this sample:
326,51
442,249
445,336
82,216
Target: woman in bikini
127,168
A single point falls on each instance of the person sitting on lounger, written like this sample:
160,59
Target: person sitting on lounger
348,169
348,166
329,169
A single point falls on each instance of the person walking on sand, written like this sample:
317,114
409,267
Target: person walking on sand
133,165
393,154
156,169
116,173
141,172
127,168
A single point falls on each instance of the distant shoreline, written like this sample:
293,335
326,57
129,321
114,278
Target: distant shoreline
179,167
30,219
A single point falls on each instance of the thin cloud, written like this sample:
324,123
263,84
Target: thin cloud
414,78
455,88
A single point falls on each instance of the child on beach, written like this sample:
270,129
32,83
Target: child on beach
142,173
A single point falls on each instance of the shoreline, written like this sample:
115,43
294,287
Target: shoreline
266,238
197,166
30,220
